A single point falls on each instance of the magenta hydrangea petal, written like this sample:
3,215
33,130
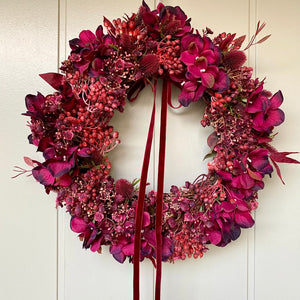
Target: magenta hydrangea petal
99,33
199,93
215,237
274,118
242,205
244,219
222,82
227,207
78,225
209,55
87,37
34,103
227,176
128,249
260,104
187,94
42,175
246,181
119,256
59,168
96,245
235,232
150,237
276,100
64,180
208,80
187,58
49,153
146,219
258,121
167,248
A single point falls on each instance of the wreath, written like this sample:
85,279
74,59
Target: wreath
71,127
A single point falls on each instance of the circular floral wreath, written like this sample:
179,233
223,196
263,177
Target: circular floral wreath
72,129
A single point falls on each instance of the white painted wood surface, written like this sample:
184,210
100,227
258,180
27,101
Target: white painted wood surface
42,259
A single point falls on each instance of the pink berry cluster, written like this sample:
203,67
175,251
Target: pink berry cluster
71,127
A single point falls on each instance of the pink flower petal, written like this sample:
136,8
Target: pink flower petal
215,237
128,249
167,248
78,225
187,58
222,82
274,118
59,168
86,38
227,207
99,33
244,219
42,175
64,180
208,79
276,100
96,245
146,219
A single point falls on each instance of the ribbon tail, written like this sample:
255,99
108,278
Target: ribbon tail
140,206
166,96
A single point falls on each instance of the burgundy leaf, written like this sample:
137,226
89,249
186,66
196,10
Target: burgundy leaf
239,41
54,79
281,157
277,169
212,140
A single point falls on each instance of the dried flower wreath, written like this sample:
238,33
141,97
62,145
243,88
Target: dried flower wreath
72,129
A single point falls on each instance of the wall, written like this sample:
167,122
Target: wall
42,259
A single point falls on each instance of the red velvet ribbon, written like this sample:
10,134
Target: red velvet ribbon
166,99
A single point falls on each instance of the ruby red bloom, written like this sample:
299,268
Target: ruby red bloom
267,111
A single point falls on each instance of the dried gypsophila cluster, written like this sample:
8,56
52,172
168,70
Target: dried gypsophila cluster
72,129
